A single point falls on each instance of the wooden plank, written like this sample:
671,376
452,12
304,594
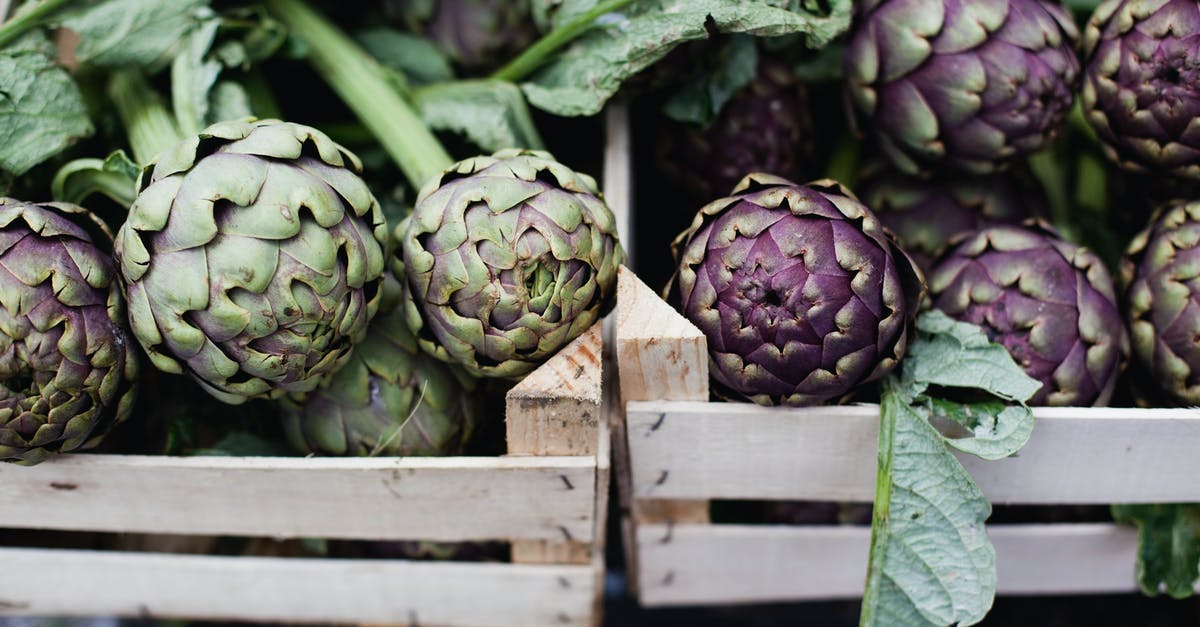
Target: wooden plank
690,450
618,174
660,355
719,564
555,410
292,590
453,498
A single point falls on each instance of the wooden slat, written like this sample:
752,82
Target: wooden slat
689,450
454,498
293,590
660,355
618,174
555,410
718,564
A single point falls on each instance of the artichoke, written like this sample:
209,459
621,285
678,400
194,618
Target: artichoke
961,84
1141,88
765,127
390,399
926,215
799,291
69,373
1163,280
506,259
1051,303
252,258
476,34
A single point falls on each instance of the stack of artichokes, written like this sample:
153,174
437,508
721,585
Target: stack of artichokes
255,260
804,296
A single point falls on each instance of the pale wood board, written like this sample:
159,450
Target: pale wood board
692,450
555,410
719,564
660,355
295,590
452,498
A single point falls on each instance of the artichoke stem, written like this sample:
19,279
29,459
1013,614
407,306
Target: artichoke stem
22,22
364,86
150,126
535,55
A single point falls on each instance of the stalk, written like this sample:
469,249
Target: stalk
149,124
883,501
22,22
364,85
551,42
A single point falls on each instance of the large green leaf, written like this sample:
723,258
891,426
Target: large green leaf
583,77
1168,546
490,113
41,109
132,32
931,560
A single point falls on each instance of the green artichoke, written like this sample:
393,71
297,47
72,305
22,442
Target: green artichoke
1051,303
961,84
801,294
506,259
1162,272
68,370
926,215
252,258
1141,88
389,399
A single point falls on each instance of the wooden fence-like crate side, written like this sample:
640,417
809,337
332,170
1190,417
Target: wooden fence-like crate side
547,497
676,451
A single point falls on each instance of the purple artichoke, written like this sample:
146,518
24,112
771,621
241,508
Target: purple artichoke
800,293
925,215
476,34
765,127
68,368
1161,270
961,84
1051,303
1141,89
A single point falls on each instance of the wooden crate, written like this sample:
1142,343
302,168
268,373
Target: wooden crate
676,451
547,497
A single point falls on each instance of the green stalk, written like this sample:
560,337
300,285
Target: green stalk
883,502
363,84
22,22
535,55
149,124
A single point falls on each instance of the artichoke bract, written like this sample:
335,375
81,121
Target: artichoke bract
506,259
765,127
926,215
961,84
1050,302
389,399
68,369
800,293
252,258
1161,271
1141,88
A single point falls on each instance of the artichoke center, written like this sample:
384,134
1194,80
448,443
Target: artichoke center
539,280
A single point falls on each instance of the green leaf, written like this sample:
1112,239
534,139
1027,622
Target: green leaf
115,177
699,101
193,74
41,109
997,430
1168,546
228,101
419,59
584,76
132,32
958,354
931,561
491,113
243,444
549,14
